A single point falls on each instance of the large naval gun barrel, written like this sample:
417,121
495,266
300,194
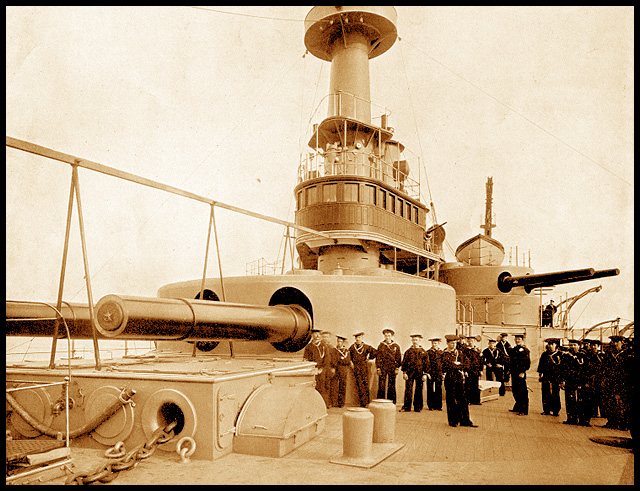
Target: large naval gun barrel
506,282
287,327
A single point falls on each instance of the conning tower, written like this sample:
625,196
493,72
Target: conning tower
355,185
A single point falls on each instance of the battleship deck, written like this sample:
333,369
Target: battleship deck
504,449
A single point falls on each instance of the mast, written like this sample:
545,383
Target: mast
487,210
355,184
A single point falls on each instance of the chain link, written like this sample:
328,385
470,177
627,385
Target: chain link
108,472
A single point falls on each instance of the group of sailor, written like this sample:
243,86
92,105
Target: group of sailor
459,367
595,381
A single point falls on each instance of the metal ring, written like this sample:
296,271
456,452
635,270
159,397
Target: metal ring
116,451
184,452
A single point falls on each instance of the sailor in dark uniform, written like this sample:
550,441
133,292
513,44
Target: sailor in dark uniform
590,377
519,364
453,367
330,363
474,369
388,361
434,376
595,374
548,313
615,390
493,359
571,365
550,377
414,367
360,354
316,351
504,346
339,381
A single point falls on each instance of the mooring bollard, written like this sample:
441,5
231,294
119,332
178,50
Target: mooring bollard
384,420
357,433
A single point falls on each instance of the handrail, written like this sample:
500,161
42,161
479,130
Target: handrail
356,163
128,176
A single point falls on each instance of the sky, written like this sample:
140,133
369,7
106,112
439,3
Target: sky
218,100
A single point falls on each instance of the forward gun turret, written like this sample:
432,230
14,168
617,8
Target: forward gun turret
287,327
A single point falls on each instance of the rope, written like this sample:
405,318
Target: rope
83,430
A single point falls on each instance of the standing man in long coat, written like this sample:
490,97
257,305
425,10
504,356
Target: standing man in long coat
504,346
454,366
434,376
474,369
519,364
330,364
316,351
572,361
360,354
388,361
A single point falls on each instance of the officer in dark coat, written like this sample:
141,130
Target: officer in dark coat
571,364
493,359
504,346
315,351
388,360
434,376
548,313
474,369
615,390
519,364
360,354
550,377
414,368
454,366
339,381
595,374
587,394
330,363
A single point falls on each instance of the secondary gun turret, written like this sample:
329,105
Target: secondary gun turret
506,282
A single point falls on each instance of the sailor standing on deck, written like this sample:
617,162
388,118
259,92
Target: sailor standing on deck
595,373
474,370
434,376
415,367
615,385
360,354
388,361
315,351
339,382
505,348
520,363
453,367
330,363
550,377
571,364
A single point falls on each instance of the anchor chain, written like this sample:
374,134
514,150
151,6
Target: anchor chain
108,472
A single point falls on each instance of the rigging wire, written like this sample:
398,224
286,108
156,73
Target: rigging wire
245,15
519,114
260,99
585,308
415,122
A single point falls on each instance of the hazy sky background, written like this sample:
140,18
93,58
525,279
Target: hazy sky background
540,98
